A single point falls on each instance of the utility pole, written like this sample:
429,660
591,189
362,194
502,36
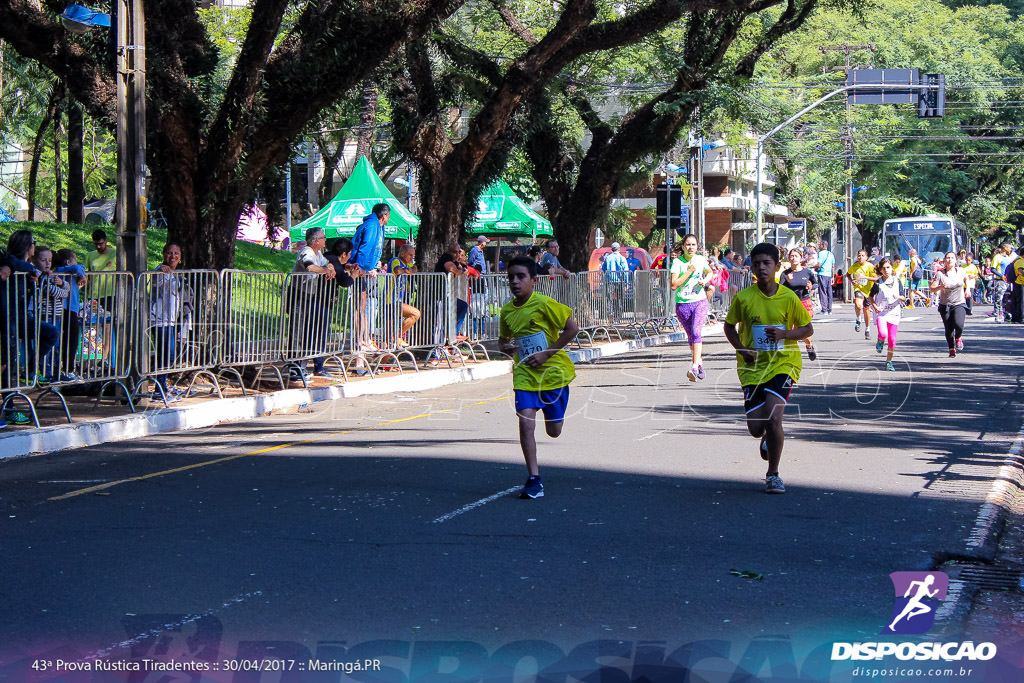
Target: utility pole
130,216
848,227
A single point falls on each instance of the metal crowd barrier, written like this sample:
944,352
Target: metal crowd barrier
386,296
488,294
177,330
434,295
250,315
19,332
92,318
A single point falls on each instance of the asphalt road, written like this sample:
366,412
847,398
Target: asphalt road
394,519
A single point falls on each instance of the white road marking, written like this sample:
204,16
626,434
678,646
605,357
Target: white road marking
174,626
651,436
476,504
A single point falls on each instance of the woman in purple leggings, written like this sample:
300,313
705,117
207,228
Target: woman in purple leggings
690,276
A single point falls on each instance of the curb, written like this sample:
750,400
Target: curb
210,413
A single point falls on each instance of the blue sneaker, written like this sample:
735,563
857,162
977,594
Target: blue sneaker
3,423
532,489
878,345
764,449
16,418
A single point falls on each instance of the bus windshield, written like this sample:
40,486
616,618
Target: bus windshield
931,239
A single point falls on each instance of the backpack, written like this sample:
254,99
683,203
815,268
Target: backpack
917,273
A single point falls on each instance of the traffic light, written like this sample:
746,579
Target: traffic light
931,102
669,206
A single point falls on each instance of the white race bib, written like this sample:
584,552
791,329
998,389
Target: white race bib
761,340
531,344
862,281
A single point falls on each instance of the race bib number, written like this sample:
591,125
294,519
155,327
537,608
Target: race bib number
761,340
862,281
531,344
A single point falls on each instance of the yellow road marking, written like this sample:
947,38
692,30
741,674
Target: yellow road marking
142,477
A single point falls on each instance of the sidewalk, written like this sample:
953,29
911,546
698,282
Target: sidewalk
107,423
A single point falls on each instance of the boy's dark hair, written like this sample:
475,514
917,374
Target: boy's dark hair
98,235
63,257
525,262
766,248
884,261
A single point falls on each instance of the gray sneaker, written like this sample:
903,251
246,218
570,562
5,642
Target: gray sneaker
773,484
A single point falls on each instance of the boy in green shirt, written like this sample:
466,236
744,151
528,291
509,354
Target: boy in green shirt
768,360
536,328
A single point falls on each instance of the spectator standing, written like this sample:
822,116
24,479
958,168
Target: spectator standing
476,257
918,282
536,253
453,261
617,268
309,312
551,262
401,267
825,270
367,247
615,261
21,247
66,264
170,303
104,257
54,292
632,261
103,260
1003,257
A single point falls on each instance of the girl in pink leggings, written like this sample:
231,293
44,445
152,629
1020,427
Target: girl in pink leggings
887,297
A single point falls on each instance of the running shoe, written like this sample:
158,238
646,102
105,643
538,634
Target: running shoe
3,423
952,353
700,372
867,334
171,398
889,366
323,373
773,484
856,326
763,449
911,306
959,344
878,345
532,489
15,418
812,354
691,374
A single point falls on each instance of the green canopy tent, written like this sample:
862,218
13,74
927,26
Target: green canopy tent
354,202
500,213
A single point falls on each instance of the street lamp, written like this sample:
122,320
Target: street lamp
130,215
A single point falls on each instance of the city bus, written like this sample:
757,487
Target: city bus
931,236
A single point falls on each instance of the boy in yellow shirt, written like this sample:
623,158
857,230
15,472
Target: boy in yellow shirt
536,328
863,275
771,321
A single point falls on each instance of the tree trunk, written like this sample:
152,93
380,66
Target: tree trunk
37,154
367,119
325,190
58,175
76,163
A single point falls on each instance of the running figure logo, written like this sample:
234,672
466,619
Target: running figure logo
917,596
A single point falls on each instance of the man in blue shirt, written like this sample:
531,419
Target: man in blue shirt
476,255
367,247
632,260
825,269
